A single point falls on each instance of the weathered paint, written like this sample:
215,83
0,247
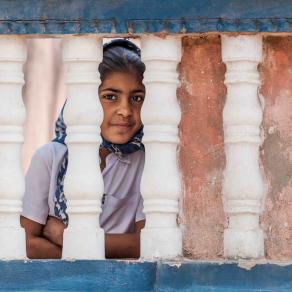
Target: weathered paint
201,153
222,277
140,16
77,275
276,152
141,276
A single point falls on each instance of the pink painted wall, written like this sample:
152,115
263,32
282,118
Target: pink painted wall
201,152
276,152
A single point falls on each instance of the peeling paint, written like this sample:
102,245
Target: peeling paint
201,152
143,16
276,151
247,265
277,164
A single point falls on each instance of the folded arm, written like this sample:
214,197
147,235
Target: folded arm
37,246
45,242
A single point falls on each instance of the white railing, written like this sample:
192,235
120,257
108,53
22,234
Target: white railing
243,186
161,238
160,184
83,186
12,116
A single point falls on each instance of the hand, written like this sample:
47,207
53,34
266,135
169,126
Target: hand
54,230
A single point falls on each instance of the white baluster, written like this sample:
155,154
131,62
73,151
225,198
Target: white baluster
243,186
12,116
83,239
160,184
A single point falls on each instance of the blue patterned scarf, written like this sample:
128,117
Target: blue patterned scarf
135,144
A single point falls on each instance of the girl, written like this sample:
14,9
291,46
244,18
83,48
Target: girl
44,216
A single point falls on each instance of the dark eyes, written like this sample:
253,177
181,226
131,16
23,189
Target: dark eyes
137,98
109,97
134,99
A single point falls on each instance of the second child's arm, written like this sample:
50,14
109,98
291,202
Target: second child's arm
125,245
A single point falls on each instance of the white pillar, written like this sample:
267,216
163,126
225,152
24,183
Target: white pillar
160,184
243,186
83,187
12,116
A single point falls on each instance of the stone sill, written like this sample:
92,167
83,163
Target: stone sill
122,275
143,16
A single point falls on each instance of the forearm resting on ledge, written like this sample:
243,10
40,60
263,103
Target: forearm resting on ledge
45,242
38,247
124,245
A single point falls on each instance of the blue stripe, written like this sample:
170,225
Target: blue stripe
129,276
140,16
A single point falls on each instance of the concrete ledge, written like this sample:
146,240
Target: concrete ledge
143,16
142,276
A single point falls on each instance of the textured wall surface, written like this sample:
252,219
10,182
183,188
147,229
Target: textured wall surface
140,16
201,153
276,152
116,276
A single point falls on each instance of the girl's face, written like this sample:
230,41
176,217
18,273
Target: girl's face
121,96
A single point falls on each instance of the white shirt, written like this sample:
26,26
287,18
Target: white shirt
123,205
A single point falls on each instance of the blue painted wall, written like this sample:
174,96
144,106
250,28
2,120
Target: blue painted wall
141,276
138,16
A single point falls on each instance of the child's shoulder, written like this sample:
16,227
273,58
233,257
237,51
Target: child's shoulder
137,158
138,155
50,151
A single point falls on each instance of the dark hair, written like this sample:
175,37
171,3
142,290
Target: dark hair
121,55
